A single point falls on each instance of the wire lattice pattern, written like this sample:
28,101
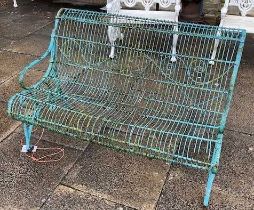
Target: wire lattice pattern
139,101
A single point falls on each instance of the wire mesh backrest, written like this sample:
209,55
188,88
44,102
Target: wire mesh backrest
142,64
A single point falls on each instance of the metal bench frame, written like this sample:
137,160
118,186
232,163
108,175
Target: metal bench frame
52,104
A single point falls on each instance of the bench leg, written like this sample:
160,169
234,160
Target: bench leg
209,185
28,132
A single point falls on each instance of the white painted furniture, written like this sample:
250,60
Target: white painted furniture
15,3
242,21
245,20
145,10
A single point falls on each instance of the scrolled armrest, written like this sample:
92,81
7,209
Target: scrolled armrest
23,73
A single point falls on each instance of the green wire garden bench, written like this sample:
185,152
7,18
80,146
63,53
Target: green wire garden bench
139,101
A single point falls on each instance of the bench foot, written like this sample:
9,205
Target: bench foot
28,150
28,131
209,185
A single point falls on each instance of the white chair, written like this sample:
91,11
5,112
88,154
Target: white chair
145,10
245,7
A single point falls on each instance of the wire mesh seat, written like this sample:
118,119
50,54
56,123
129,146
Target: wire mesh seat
138,101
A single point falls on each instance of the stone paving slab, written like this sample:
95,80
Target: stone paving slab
6,90
20,26
247,56
9,69
44,10
233,186
241,114
4,42
65,198
11,64
237,168
184,190
34,44
25,184
46,30
131,180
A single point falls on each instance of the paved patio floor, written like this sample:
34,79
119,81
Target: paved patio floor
94,177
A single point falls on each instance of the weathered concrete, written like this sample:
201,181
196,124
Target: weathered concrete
46,30
241,114
184,190
43,8
120,177
237,168
4,42
32,45
68,198
11,64
20,26
25,184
